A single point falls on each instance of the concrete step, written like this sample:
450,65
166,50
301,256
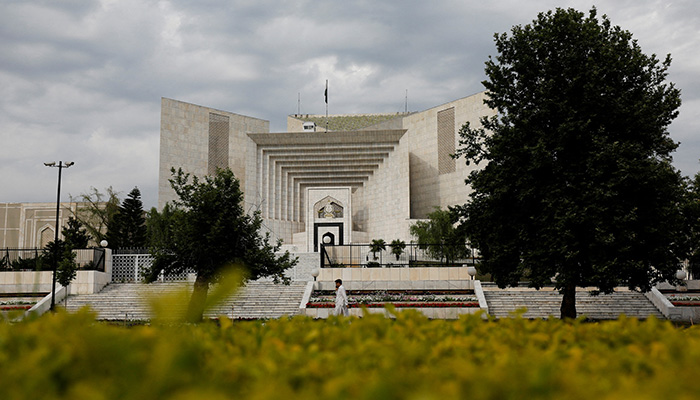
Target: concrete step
545,303
129,301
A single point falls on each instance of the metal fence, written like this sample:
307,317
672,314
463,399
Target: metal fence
412,255
131,265
36,259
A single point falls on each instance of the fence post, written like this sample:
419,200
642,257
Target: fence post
136,268
323,248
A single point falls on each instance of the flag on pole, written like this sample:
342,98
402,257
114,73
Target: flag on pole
326,92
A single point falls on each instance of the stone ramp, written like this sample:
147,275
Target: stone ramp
129,301
547,302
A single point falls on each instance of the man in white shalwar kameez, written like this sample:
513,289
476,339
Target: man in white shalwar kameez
341,299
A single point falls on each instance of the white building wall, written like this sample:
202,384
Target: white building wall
184,142
428,187
406,186
386,198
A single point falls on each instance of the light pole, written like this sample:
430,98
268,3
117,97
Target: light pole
60,167
471,271
681,275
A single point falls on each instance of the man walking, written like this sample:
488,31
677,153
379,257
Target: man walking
341,298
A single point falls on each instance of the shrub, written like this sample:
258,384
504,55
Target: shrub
60,356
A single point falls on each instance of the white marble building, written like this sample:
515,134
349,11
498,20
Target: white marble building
351,178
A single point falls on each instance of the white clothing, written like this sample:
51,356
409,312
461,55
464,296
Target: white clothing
341,301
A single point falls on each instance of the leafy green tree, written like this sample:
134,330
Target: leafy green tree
59,254
127,228
53,252
376,246
158,224
96,211
576,178
397,247
440,237
208,230
67,270
692,211
75,235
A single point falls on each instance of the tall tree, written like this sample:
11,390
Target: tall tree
692,211
158,226
576,179
75,235
97,211
128,226
208,230
440,236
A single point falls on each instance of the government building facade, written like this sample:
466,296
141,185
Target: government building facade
340,179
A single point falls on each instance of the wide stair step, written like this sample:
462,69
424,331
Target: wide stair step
129,301
547,302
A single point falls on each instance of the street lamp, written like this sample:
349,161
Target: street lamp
471,270
681,275
60,167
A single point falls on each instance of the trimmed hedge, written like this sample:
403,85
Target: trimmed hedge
63,356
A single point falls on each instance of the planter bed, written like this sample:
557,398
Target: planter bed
427,301
461,292
15,307
422,304
685,303
405,299
683,299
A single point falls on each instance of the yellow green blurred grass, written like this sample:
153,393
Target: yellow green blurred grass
63,356
172,307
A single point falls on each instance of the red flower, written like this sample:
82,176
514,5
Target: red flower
320,305
8,308
686,303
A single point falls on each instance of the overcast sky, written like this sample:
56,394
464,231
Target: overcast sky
82,80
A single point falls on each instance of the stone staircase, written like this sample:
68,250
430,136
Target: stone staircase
263,300
129,301
547,302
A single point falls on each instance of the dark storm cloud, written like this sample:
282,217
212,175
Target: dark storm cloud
83,79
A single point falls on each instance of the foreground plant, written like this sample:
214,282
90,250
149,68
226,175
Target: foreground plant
61,356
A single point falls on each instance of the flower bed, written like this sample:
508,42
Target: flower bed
427,300
419,298
683,299
685,303
15,307
397,305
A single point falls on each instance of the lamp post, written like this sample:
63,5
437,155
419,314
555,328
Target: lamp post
471,270
60,167
681,275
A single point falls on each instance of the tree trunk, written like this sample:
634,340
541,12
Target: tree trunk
568,303
195,310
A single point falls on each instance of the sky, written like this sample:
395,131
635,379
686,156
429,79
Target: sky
82,80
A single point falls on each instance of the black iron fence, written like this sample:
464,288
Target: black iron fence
412,255
39,260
